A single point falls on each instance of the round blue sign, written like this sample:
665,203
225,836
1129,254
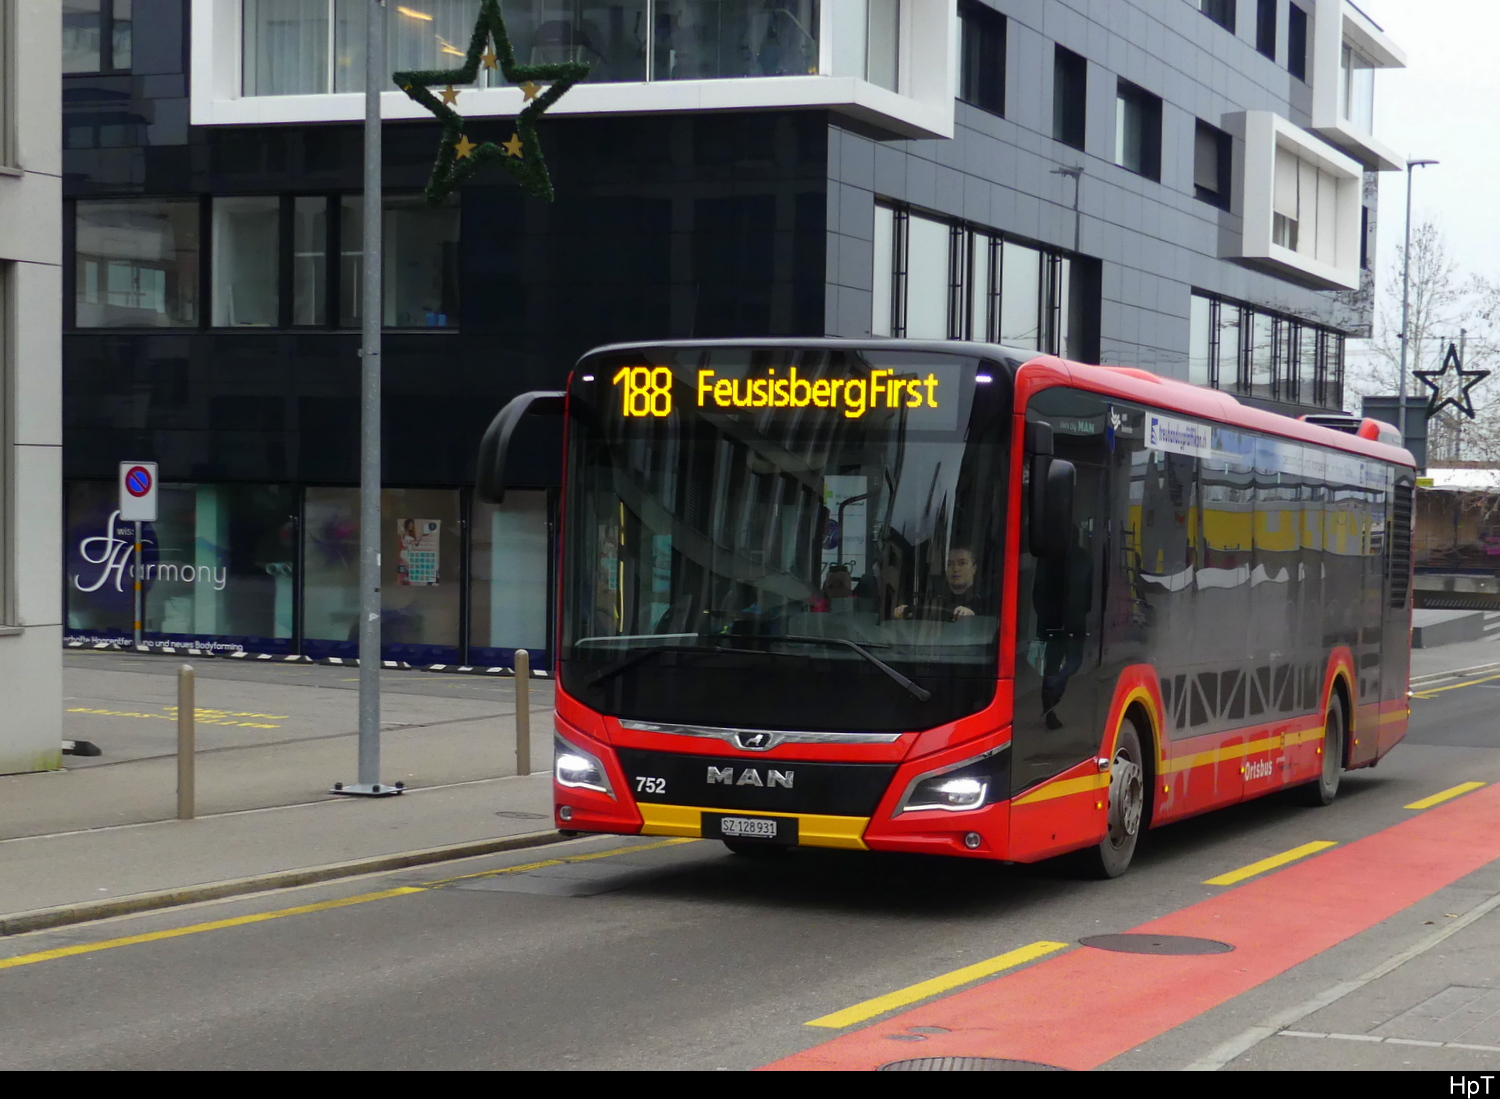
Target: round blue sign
138,481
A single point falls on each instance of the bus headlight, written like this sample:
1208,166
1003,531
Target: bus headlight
577,769
959,786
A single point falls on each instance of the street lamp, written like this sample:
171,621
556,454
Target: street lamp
1405,295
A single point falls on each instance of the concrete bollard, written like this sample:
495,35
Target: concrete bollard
523,712
186,717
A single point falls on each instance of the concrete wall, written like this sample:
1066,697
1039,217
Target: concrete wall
31,397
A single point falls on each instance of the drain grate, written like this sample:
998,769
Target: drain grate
1136,943
965,1064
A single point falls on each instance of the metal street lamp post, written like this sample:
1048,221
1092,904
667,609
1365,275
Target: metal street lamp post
1406,295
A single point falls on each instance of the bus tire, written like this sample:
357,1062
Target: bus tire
1126,805
1323,789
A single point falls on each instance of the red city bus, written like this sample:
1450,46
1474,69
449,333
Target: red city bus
956,598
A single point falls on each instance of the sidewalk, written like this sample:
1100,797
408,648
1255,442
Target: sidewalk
1464,656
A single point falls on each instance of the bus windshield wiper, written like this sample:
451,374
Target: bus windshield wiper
643,655
922,694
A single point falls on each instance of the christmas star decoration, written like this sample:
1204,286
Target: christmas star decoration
450,95
1463,381
521,156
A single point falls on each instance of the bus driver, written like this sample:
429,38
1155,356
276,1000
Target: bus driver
963,598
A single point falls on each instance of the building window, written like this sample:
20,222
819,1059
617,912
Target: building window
246,245
1296,41
95,36
419,263
309,260
1260,353
136,263
1138,130
1070,75
1305,208
311,47
1212,150
883,43
941,280
1265,27
982,81
1220,11
1357,89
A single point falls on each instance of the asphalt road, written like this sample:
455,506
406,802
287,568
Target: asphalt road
616,954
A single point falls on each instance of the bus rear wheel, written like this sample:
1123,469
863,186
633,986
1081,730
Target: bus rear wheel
1127,807
1325,788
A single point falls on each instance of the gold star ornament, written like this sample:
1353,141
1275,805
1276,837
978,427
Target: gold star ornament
521,156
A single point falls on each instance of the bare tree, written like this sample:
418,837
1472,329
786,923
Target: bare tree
1447,306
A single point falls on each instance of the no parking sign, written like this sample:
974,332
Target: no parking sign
138,491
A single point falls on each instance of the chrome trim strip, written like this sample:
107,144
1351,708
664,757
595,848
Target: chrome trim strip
911,786
733,737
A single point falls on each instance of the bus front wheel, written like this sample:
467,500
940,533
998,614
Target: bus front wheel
1127,807
1325,788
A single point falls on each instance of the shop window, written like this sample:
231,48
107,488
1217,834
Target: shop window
419,262
1212,152
1296,41
509,578
246,235
1138,130
1262,373
1265,27
136,263
1220,11
1200,340
420,581
218,566
96,36
1069,97
982,44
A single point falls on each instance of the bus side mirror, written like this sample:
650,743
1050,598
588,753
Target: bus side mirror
489,477
1050,517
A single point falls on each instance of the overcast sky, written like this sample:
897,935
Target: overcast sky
1445,105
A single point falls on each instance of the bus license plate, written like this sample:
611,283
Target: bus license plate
766,829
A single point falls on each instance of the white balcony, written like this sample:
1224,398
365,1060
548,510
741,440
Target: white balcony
1347,50
1302,202
887,63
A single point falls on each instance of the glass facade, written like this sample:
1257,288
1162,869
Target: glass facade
1258,352
419,264
313,47
137,263
224,568
246,234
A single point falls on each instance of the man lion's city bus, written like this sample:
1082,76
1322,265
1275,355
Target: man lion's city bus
958,599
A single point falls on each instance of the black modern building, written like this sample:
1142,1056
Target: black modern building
777,168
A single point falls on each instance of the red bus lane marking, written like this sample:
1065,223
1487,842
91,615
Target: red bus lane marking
1083,1008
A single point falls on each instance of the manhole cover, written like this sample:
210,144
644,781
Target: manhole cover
965,1064
1156,944
512,814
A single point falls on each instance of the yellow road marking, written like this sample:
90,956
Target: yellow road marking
193,929
923,989
304,909
544,863
202,717
1444,795
1271,863
1430,691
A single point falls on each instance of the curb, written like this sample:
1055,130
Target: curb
42,919
1433,677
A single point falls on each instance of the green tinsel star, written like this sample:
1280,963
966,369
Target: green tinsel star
458,158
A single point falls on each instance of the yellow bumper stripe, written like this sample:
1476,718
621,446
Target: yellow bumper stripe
813,830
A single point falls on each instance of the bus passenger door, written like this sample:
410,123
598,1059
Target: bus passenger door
1058,600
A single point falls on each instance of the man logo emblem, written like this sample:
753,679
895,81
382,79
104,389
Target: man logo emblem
755,742
749,776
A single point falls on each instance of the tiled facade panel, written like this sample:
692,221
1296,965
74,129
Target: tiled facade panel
1156,241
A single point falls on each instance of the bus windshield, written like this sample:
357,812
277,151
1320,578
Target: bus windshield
784,538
